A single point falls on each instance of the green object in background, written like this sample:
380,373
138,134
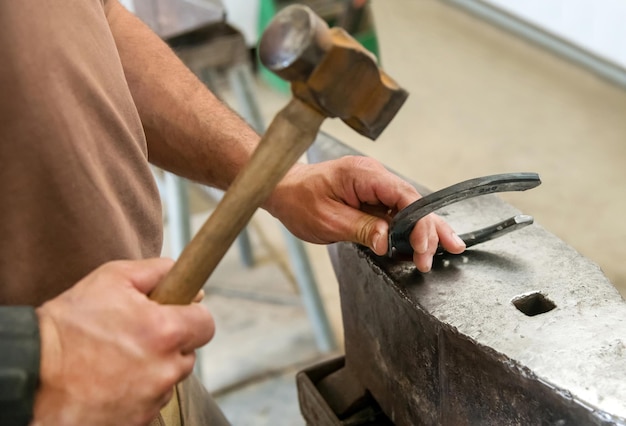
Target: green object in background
268,9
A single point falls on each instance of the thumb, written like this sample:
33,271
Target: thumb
370,231
146,274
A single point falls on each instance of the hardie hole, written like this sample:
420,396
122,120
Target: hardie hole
533,304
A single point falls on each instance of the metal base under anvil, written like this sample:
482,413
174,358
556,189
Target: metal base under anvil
522,330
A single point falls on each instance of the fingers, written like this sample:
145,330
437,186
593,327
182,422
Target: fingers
179,328
373,234
180,369
428,233
424,240
367,181
350,224
172,328
145,274
199,297
185,328
448,239
353,199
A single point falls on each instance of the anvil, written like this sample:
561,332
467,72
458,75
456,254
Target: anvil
522,330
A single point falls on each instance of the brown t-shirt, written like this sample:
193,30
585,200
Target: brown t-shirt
75,186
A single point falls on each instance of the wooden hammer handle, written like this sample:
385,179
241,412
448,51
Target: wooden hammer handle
292,131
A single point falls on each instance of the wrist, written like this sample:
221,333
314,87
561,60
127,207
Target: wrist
50,356
276,200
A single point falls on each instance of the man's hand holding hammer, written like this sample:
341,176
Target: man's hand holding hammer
109,354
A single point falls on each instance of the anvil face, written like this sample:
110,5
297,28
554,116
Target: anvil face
523,330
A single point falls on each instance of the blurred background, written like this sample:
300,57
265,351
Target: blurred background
495,86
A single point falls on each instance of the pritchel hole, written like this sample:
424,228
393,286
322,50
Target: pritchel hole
533,304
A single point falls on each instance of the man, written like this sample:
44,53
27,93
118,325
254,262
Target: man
90,95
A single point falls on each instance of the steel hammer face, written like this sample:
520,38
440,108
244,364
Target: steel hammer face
330,71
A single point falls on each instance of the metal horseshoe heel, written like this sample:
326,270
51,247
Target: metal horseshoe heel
404,222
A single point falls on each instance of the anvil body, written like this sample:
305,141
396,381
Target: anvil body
520,330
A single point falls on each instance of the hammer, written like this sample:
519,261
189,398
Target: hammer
331,75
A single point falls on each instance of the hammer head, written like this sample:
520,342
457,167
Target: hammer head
330,70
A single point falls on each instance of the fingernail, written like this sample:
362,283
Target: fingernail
458,240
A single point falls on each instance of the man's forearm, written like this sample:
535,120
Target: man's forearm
189,131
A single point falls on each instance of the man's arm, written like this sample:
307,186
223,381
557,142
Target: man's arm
188,130
192,134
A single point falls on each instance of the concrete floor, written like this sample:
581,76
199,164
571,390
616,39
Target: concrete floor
482,102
